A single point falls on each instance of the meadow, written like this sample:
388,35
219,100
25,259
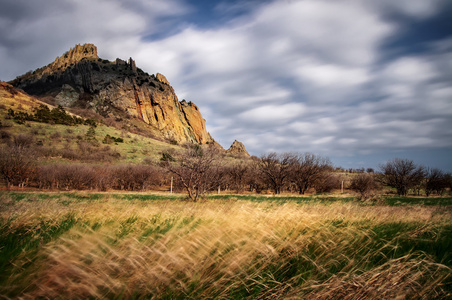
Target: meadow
147,246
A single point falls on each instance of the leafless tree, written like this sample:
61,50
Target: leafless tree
401,174
276,169
435,181
363,184
307,169
17,165
237,175
326,183
195,168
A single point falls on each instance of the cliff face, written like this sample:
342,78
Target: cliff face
116,89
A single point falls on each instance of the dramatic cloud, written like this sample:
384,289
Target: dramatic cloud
324,76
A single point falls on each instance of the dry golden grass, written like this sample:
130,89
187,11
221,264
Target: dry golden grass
224,249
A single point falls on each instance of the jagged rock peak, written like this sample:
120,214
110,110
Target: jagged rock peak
162,78
75,55
238,148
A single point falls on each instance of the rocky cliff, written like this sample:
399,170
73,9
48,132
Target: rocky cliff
79,78
237,148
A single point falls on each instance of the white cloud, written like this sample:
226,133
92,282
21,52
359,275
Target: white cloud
273,114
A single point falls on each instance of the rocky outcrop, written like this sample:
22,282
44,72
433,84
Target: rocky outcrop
237,148
73,56
79,78
162,78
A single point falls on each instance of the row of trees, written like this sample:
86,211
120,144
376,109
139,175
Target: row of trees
198,170
405,175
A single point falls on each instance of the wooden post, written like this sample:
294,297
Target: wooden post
342,187
171,190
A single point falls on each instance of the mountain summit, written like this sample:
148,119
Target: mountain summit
118,90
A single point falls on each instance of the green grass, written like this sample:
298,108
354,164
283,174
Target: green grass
324,199
135,148
101,245
28,239
399,200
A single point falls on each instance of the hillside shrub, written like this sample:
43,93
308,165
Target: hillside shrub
44,114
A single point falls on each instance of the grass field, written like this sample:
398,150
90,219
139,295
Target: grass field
134,246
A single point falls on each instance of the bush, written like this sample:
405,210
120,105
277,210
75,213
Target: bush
326,183
363,184
17,165
22,141
5,135
108,139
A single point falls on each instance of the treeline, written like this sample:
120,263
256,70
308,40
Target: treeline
44,114
198,170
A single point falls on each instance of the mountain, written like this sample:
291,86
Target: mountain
116,90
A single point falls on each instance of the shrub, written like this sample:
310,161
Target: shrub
17,165
55,136
326,183
363,184
22,141
167,156
5,135
90,133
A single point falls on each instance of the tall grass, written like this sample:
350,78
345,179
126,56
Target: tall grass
110,247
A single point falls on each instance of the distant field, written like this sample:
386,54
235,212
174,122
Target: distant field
100,245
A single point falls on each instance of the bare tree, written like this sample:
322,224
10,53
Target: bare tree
16,165
326,183
237,175
363,184
195,169
276,169
308,168
401,174
435,181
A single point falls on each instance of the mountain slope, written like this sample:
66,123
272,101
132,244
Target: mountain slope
118,90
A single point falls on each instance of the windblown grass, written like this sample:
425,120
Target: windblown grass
78,246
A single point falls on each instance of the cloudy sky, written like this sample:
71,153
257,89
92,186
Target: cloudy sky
359,81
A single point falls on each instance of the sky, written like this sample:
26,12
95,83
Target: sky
358,81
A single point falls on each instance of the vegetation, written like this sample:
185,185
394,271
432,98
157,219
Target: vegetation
78,245
196,170
57,115
364,184
402,174
76,237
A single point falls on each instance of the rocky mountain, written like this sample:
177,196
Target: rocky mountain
116,89
237,148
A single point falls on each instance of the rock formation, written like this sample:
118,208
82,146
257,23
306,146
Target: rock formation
237,148
79,78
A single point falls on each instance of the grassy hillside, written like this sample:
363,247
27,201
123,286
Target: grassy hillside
62,142
81,245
